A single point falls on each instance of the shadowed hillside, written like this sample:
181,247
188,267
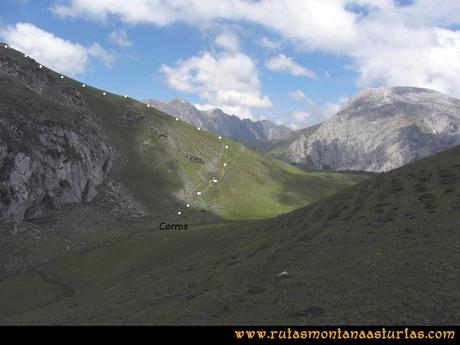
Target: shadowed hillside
385,251
64,142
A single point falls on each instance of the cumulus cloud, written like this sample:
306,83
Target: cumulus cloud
389,44
326,24
299,96
228,80
403,56
228,41
61,55
120,38
57,53
107,57
269,44
283,63
331,108
315,114
301,115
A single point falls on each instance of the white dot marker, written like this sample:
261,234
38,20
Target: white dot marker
62,77
214,180
6,46
126,96
40,66
188,205
177,119
26,56
198,193
84,85
179,213
220,138
104,93
226,147
199,128
148,105
225,164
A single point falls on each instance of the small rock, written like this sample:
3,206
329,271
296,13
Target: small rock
283,274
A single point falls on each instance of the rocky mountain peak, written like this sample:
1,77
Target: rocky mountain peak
382,129
219,122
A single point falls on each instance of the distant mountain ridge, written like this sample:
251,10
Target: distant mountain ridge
378,130
63,143
221,123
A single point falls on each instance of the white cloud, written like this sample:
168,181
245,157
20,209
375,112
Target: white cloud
120,38
228,80
301,115
298,119
315,24
95,50
204,107
56,53
426,58
283,63
269,44
388,44
294,126
298,95
331,108
228,41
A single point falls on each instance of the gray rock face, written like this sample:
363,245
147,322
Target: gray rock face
382,129
56,166
221,123
51,151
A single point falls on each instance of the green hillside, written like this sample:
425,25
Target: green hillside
152,148
383,252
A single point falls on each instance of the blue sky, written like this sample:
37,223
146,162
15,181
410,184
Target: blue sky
294,62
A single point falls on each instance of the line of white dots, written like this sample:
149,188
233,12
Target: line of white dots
148,106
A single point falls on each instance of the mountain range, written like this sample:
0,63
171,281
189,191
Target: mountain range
63,142
217,121
378,130
112,212
382,252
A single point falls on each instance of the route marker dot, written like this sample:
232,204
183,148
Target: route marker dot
179,213
104,93
225,164
198,193
177,119
6,46
220,138
40,66
188,205
214,180
26,56
62,77
84,85
226,147
199,128
148,105
126,96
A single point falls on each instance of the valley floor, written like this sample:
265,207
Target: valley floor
229,274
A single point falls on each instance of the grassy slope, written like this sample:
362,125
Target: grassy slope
251,186
383,252
154,168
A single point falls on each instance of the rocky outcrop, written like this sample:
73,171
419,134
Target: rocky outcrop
380,130
43,166
41,81
51,150
194,159
217,121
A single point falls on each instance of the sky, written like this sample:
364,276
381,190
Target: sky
295,62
